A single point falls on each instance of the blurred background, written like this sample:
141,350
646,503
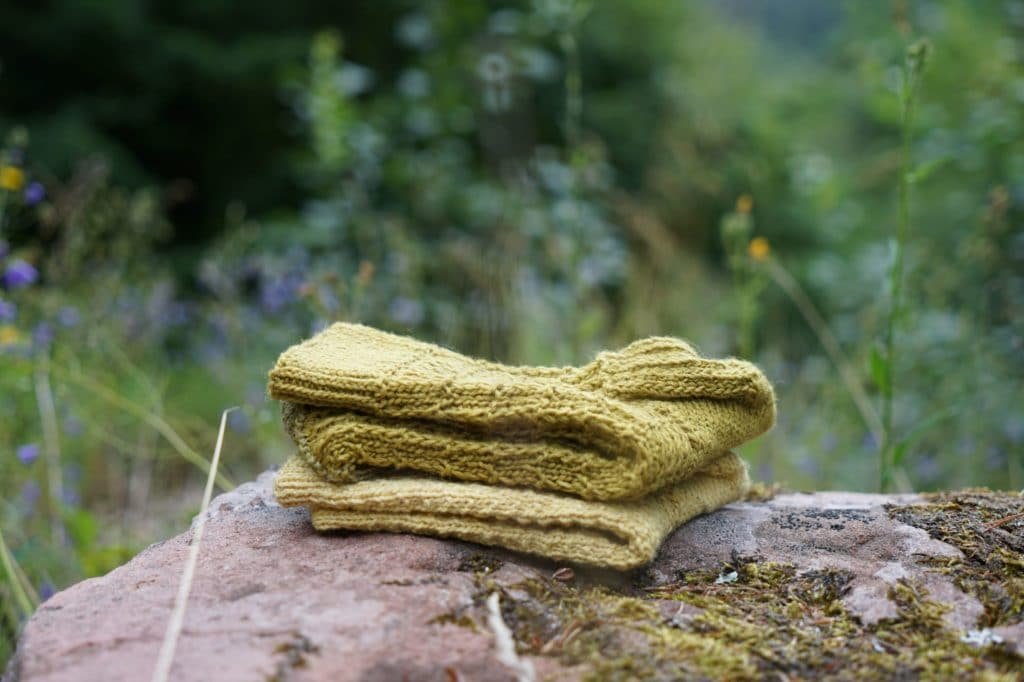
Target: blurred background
188,187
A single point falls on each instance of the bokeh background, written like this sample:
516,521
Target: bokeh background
188,187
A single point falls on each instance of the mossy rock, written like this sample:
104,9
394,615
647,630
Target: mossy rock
781,587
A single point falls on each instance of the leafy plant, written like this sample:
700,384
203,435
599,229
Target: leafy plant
883,364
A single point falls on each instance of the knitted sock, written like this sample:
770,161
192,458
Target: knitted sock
621,535
619,427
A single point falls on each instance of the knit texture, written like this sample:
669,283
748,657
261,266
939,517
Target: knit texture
619,428
620,535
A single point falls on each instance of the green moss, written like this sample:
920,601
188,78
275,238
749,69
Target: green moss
976,522
294,654
480,563
772,622
760,491
458,617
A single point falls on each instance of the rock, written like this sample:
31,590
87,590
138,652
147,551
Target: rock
850,532
824,583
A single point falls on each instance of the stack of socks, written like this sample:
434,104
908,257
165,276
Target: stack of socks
594,464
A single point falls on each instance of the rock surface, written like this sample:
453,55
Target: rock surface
272,600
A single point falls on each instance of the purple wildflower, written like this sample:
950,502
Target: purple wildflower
34,193
177,314
73,426
20,274
8,311
70,496
927,468
276,293
42,335
28,453
406,311
68,316
30,494
238,421
46,590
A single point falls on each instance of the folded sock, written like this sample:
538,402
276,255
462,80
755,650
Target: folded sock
620,535
620,427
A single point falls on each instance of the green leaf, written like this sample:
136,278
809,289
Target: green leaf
879,366
926,425
899,452
82,527
902,445
921,173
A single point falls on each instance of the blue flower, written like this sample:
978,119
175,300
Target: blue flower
238,421
8,311
20,274
70,496
42,335
68,316
406,311
34,193
276,293
28,453
73,426
46,590
30,494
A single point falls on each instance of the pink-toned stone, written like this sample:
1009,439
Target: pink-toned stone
839,530
274,600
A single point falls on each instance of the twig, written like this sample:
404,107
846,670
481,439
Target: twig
564,637
504,645
1003,521
163,663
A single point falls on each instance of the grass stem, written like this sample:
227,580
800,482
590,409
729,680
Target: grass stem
912,66
829,342
158,423
170,643
51,445
26,603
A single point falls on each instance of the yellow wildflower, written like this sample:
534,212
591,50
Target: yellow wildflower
9,335
12,178
759,248
744,204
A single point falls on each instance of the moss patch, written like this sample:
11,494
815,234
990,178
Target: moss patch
294,653
988,527
766,622
760,491
769,622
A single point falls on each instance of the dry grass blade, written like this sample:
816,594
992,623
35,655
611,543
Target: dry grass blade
163,663
158,423
830,343
1005,520
504,645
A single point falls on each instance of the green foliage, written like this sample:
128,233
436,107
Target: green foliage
529,182
913,68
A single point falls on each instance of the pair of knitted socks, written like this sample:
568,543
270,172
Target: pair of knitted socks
594,464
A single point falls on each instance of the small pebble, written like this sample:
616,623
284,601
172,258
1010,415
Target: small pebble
564,574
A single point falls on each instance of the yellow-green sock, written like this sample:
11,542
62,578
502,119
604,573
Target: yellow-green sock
622,426
621,535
